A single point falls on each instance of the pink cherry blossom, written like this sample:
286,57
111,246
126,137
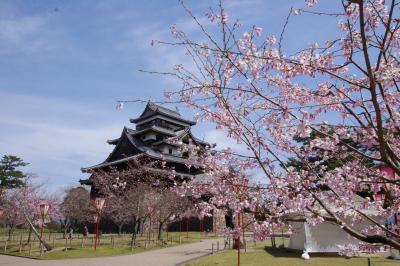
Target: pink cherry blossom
340,97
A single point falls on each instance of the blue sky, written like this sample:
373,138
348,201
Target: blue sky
64,64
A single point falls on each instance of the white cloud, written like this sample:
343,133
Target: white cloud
138,39
24,34
50,134
39,33
16,30
55,141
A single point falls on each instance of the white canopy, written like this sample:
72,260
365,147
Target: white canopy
322,238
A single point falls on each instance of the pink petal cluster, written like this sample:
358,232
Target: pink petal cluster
341,96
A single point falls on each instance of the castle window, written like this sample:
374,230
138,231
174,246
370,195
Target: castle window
170,151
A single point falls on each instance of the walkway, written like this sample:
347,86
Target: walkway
172,256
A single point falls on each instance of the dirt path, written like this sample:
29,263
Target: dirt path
172,256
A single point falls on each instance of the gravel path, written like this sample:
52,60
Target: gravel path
172,256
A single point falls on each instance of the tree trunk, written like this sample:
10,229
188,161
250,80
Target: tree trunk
235,244
229,220
142,227
10,232
64,227
134,230
160,227
133,238
42,240
30,235
120,229
134,235
65,232
139,227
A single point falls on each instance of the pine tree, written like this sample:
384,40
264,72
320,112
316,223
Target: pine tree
10,176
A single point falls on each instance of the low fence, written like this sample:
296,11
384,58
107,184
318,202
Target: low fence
21,245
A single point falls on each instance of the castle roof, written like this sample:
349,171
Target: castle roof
153,109
131,145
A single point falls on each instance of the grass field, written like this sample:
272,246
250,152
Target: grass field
264,254
79,247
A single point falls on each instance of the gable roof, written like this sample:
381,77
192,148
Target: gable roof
154,109
188,132
136,148
158,129
179,135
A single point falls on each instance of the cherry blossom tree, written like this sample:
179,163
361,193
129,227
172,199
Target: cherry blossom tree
118,211
136,193
345,89
12,218
130,207
75,209
168,206
22,207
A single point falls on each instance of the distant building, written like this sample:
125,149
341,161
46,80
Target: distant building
158,130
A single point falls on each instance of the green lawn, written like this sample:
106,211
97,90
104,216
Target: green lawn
263,254
83,248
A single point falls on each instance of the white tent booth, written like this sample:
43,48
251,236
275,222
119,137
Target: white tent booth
325,237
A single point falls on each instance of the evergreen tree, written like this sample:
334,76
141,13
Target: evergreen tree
10,176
